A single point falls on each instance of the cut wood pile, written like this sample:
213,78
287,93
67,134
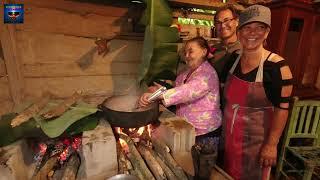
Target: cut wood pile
146,157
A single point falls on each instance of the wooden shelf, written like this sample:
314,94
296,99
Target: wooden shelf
307,93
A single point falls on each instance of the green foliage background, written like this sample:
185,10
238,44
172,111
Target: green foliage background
159,56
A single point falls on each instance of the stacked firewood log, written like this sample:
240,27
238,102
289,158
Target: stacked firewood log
147,158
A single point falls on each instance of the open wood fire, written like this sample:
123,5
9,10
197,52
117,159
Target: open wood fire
145,157
57,158
138,153
151,152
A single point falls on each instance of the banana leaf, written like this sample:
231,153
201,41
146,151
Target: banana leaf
9,135
79,118
31,128
159,56
57,126
147,52
166,34
157,12
165,61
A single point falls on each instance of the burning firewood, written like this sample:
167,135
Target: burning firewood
30,111
136,172
152,163
47,167
136,158
72,167
62,107
170,175
122,164
162,150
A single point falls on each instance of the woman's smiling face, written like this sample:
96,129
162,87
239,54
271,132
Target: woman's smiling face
253,35
194,54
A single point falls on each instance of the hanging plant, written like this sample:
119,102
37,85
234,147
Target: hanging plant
159,56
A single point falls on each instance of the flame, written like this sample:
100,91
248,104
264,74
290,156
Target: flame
43,148
64,155
124,145
118,130
140,131
149,129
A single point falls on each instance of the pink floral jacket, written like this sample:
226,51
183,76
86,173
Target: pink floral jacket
197,98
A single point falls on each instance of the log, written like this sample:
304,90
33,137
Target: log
30,111
47,167
122,166
152,163
136,158
162,150
72,167
58,174
137,173
62,107
170,175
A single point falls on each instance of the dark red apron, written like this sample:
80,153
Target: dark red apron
247,116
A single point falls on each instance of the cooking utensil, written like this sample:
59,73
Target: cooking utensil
157,93
121,111
123,177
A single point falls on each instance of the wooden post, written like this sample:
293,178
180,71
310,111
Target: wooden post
12,61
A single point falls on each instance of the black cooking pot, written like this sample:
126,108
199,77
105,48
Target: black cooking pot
121,111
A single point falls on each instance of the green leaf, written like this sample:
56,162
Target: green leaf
162,62
76,120
57,126
164,34
147,52
9,135
157,12
159,57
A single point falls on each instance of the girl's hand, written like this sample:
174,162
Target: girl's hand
268,155
143,101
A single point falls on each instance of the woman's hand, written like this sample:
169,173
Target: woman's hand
154,87
143,101
268,155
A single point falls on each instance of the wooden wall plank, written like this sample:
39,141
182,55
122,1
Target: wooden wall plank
45,47
3,71
91,85
61,22
318,81
61,69
6,106
206,4
77,7
193,15
4,89
12,61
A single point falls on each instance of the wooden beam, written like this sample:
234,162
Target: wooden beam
12,61
4,89
205,4
63,22
62,87
3,71
80,8
193,15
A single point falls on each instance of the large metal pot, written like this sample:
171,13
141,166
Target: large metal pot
121,111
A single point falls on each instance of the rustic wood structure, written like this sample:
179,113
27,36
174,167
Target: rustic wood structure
41,54
295,35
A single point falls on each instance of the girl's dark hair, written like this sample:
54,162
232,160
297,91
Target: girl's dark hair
202,42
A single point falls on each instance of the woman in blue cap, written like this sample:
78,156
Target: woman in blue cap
257,92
